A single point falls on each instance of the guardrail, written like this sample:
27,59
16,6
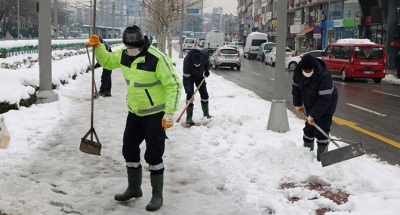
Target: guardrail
16,47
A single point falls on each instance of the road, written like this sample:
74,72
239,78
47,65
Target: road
366,112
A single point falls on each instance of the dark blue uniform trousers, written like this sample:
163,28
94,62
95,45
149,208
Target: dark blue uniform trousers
149,129
324,122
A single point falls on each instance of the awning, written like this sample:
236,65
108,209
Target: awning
306,31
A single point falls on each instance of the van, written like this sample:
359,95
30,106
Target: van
356,58
189,44
253,42
214,39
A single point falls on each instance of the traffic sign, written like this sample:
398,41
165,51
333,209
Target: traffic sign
317,35
193,11
317,29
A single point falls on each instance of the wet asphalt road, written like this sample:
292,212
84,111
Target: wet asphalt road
372,111
367,112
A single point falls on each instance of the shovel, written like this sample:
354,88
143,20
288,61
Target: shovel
88,145
341,153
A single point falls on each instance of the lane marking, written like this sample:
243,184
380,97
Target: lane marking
255,73
389,94
273,79
365,109
354,126
337,82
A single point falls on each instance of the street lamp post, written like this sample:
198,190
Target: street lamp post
18,23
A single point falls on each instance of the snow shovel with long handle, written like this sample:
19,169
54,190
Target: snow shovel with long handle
341,153
88,145
191,99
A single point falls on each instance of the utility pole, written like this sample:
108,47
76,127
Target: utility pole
18,23
181,34
113,20
90,20
278,119
55,7
45,93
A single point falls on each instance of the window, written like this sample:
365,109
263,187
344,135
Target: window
368,52
328,50
341,52
228,51
316,54
257,42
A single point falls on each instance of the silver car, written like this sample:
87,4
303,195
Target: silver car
225,57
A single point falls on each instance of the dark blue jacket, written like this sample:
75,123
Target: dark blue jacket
191,73
318,94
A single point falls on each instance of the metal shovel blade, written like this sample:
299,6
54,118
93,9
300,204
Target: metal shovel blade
342,154
90,147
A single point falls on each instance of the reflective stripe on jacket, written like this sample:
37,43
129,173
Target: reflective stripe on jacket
153,85
318,94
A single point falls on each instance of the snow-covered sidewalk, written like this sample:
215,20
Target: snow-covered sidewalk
234,165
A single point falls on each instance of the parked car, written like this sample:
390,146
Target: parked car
356,58
292,62
225,57
264,49
189,43
271,56
236,44
200,42
253,42
154,43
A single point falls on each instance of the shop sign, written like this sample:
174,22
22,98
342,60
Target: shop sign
269,15
338,23
294,29
274,23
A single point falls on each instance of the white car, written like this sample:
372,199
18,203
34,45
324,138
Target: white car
291,63
225,57
189,43
270,57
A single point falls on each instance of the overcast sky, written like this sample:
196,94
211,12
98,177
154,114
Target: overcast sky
229,6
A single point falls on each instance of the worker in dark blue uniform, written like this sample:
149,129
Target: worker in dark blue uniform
315,95
196,66
105,87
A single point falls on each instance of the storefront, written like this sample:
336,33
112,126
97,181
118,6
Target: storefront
350,28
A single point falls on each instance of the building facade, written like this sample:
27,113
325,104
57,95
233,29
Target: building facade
314,24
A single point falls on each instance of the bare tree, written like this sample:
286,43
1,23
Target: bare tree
162,15
9,17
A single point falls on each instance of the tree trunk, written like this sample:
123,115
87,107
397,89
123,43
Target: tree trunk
170,39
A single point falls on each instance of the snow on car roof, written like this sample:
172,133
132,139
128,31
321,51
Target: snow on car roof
352,41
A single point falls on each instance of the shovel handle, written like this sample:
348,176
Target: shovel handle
325,134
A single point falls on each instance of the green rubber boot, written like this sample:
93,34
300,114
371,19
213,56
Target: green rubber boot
134,183
189,115
157,182
321,149
309,145
204,107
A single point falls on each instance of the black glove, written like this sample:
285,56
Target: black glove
206,74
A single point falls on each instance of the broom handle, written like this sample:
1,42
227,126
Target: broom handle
191,99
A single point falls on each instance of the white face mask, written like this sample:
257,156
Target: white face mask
133,52
197,65
308,74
